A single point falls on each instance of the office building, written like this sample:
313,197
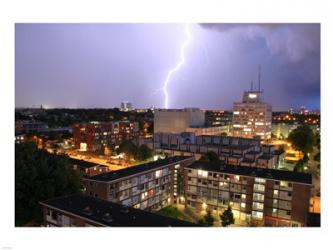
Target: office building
178,120
257,196
150,186
252,117
96,136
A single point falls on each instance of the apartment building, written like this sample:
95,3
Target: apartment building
95,136
83,211
86,168
150,186
232,150
252,117
263,197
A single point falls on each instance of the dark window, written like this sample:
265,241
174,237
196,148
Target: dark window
189,178
210,182
290,184
215,175
156,182
288,212
190,171
289,193
210,173
277,183
199,180
54,215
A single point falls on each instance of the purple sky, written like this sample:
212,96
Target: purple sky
101,65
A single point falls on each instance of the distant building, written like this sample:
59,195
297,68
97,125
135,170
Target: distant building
95,136
28,126
150,186
178,120
87,169
126,106
232,150
83,211
262,197
218,118
252,117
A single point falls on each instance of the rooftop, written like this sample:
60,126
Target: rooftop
266,157
253,171
110,214
82,163
114,175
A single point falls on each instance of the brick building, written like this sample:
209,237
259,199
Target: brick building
95,136
257,196
150,186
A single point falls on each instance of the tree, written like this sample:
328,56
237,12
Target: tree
299,167
208,220
143,153
317,157
128,148
302,139
210,156
40,176
227,217
305,158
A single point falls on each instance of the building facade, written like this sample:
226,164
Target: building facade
218,118
177,120
149,186
232,150
95,136
262,197
84,211
126,106
252,117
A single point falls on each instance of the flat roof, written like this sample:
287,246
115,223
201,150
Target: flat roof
266,173
84,164
266,157
111,214
114,175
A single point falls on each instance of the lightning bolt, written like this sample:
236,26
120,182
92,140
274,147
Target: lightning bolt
178,66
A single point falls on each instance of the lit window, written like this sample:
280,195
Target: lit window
158,173
283,183
243,205
259,180
243,196
257,215
258,206
274,210
276,192
237,177
203,173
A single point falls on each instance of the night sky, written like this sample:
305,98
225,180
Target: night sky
101,65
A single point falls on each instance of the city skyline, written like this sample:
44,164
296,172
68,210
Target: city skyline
82,65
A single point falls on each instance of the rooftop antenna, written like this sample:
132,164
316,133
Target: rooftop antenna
259,76
251,85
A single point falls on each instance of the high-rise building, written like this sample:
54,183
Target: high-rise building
126,106
252,117
178,120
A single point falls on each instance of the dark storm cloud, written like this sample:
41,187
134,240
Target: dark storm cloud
100,65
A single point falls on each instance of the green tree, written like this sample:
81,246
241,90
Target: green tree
302,139
128,148
210,156
40,176
143,153
227,217
208,220
299,167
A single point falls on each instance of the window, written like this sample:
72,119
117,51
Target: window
259,180
258,206
189,178
259,187
243,205
203,173
258,197
289,194
243,196
284,184
276,192
236,177
277,183
257,215
158,173
274,211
